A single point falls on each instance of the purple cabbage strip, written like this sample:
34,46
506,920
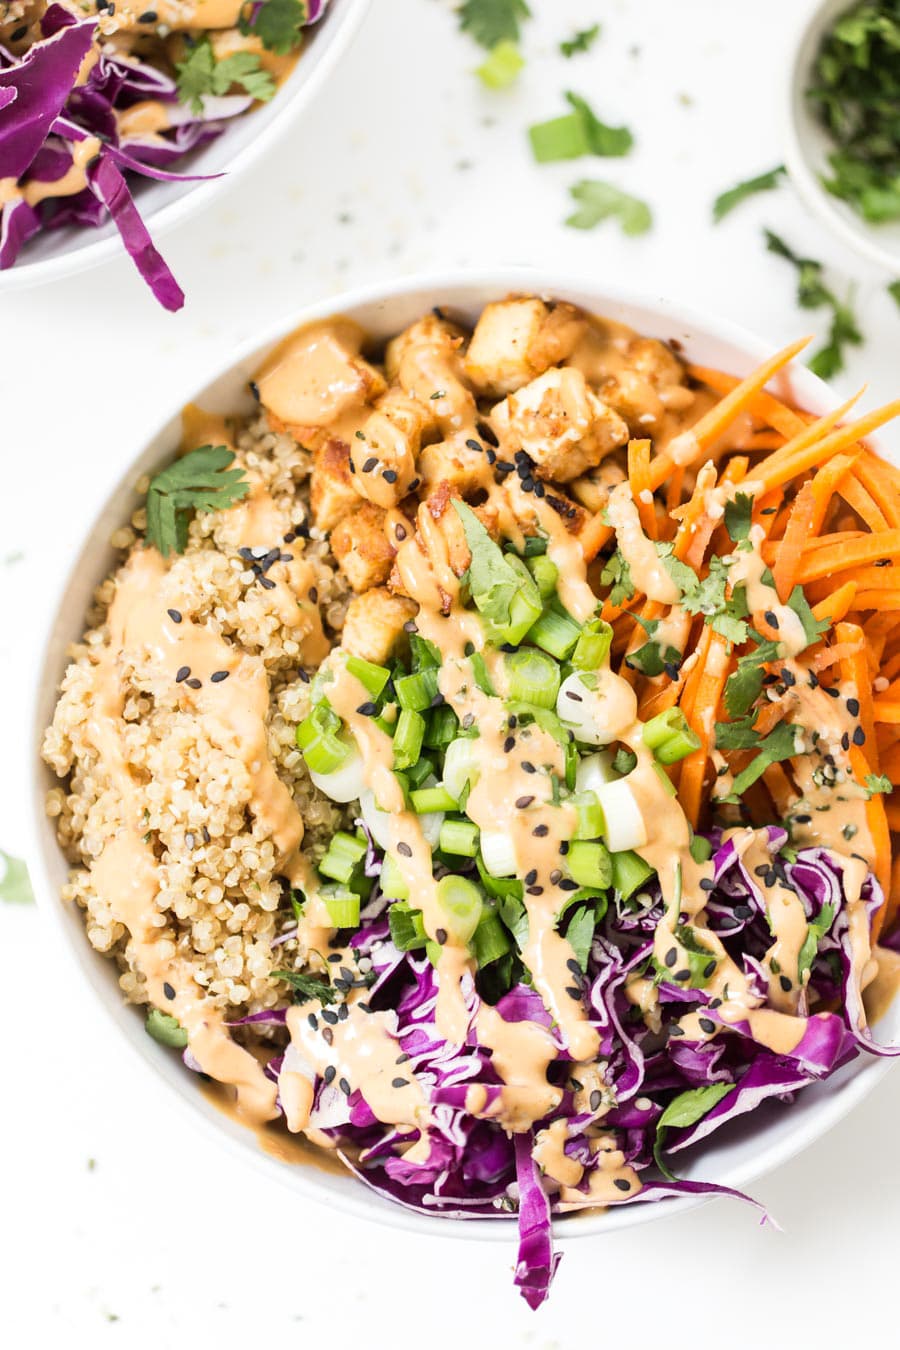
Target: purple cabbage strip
42,81
536,1263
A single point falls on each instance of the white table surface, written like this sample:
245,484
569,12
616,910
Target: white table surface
122,1224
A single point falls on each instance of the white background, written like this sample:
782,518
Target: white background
122,1224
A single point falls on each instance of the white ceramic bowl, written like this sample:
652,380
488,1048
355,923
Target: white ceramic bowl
807,146
59,253
735,1157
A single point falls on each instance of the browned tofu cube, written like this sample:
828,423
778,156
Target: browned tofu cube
373,628
331,493
516,339
560,423
318,375
358,542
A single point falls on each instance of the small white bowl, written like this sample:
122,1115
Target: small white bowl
736,1155
807,146
59,253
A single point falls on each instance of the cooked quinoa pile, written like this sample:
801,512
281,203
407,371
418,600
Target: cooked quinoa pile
220,903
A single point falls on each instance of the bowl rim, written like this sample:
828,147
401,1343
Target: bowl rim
840,218
358,1200
298,90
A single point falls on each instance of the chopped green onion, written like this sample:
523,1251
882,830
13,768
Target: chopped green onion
701,849
423,654
407,927
534,545
442,728
430,799
592,647
501,67
555,632
545,573
560,138
629,872
460,837
669,736
490,940
408,738
166,1029
416,692
524,608
498,853
460,766
589,864
501,887
591,822
461,905
418,772
625,826
324,749
533,677
344,853
393,884
343,908
373,678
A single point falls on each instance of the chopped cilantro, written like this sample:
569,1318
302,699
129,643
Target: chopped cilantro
894,291
599,201
684,1110
198,481
764,182
497,581
580,933
577,133
277,23
780,744
815,931
812,293
200,74
812,627
492,21
617,575
737,735
624,761
738,515
580,41
878,782
305,986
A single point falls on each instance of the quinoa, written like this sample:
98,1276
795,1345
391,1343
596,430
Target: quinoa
221,902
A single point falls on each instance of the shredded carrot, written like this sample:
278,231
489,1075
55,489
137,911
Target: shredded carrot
846,556
837,605
857,497
639,478
784,571
702,716
808,450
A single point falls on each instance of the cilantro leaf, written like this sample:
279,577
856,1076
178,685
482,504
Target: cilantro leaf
878,782
812,627
763,182
686,1109
277,23
577,133
603,140
198,481
15,886
737,735
815,931
166,1029
599,201
685,577
738,515
580,933
493,21
812,293
894,291
781,743
726,615
199,74
617,575
580,41
624,761
306,986
494,578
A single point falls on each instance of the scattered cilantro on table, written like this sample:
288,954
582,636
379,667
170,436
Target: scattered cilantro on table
812,293
15,886
763,182
579,42
598,201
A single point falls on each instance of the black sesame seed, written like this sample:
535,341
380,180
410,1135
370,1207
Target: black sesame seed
302,676
676,1030
390,475
859,736
785,982
267,583
344,1086
743,912
476,446
175,616
573,992
671,957
528,766
708,969
623,1183
182,674
218,676
531,877
400,531
853,707
343,986
401,1059
523,802
18,33
567,884
313,1021
330,1074
832,692
770,619
596,1099
845,741
330,1017
509,744
193,683
492,456
707,884
706,1024
540,832
573,965
168,990
334,957
399,1082
682,976
314,595
149,16
367,709
534,890
715,1003
404,850
440,935
370,464
564,847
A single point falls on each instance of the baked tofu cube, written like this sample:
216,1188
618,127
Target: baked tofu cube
426,363
373,628
358,542
319,375
331,493
497,360
560,423
651,383
454,462
384,452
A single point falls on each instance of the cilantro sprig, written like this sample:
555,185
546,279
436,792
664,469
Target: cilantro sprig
577,133
763,182
812,293
580,41
490,22
15,886
200,75
198,481
684,1110
306,986
278,24
598,201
